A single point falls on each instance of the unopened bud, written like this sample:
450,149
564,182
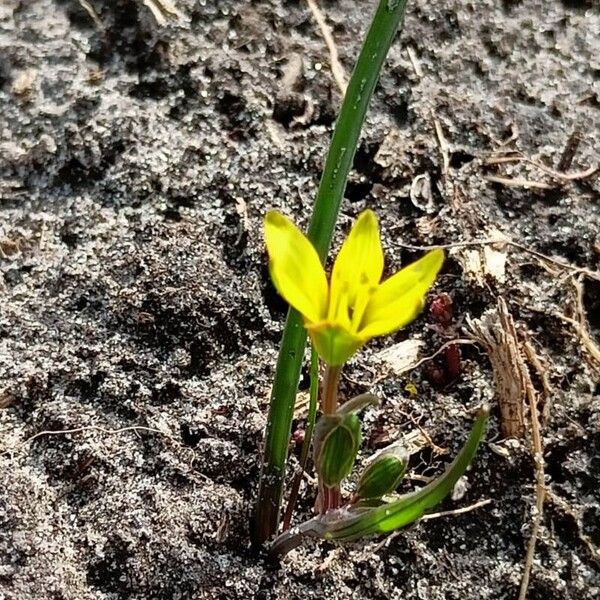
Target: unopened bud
383,474
336,446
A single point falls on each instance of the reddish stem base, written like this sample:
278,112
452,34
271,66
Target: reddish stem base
329,498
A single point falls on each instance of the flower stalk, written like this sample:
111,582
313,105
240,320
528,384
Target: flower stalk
329,498
331,382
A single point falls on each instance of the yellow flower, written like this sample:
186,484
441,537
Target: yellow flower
355,306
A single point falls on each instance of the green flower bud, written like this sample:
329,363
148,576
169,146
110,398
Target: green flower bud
337,440
383,474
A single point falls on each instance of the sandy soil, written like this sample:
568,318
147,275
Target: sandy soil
136,164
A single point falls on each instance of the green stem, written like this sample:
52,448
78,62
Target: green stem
308,432
312,406
339,161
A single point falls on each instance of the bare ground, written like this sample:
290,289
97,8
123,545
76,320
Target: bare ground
137,162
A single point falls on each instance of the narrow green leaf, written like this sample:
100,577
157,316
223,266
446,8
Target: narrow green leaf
310,425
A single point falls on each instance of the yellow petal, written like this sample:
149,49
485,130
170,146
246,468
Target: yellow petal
333,343
399,299
295,267
358,266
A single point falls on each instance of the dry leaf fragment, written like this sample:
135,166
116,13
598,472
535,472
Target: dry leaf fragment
495,263
301,406
488,261
497,334
401,357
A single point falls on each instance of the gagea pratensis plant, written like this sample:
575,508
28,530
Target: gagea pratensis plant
341,314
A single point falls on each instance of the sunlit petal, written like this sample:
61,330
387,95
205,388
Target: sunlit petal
399,299
295,267
358,265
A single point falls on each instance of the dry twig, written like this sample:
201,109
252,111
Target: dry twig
496,331
416,65
456,342
436,449
91,11
559,175
564,506
443,144
99,429
542,372
457,511
590,344
402,357
163,10
519,182
540,488
570,150
580,323
337,70
439,132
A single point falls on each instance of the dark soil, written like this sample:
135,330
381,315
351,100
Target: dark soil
137,163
